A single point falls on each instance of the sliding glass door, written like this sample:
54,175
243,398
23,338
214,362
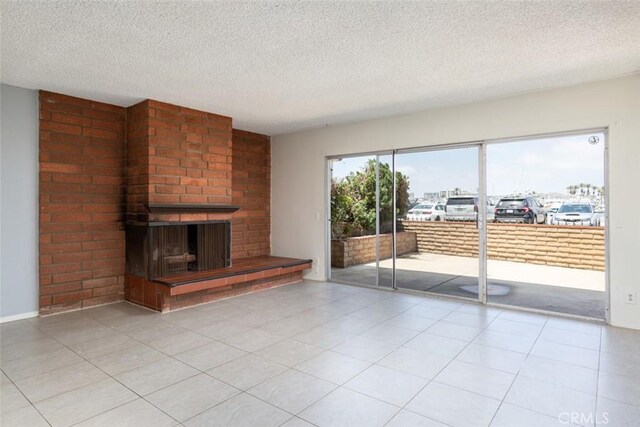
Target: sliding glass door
546,246
437,206
511,222
431,243
361,220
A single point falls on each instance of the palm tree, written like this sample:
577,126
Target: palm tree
601,193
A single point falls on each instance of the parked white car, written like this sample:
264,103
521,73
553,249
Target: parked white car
426,212
599,216
574,214
552,209
551,212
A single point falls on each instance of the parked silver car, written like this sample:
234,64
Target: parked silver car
574,214
465,208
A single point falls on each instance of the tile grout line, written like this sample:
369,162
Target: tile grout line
197,369
115,379
293,369
518,373
26,398
432,380
557,385
182,380
123,333
598,374
202,372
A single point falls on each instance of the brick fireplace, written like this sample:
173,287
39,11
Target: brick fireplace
162,205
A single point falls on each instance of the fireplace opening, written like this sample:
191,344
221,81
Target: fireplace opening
155,251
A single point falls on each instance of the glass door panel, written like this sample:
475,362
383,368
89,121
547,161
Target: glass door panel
546,246
437,206
361,220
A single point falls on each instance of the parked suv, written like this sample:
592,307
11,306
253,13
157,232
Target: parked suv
520,209
464,208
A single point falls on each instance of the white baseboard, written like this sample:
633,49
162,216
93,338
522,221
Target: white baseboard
18,317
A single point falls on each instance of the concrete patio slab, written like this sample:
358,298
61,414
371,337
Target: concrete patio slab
558,289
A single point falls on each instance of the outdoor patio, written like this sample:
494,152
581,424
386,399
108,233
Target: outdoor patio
557,289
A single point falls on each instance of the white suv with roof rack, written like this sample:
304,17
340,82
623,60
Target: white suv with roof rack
465,208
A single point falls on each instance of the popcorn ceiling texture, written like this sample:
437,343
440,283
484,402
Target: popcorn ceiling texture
280,67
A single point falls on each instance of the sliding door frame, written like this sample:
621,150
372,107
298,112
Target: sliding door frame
481,297
481,223
482,215
604,130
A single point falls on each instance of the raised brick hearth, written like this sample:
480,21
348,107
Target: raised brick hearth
246,275
103,166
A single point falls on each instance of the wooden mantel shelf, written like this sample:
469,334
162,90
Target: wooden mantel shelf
189,208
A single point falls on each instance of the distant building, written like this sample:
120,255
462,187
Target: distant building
444,194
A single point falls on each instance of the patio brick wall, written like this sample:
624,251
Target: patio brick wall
82,156
361,250
562,246
251,185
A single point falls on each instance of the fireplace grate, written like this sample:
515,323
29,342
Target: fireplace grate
163,250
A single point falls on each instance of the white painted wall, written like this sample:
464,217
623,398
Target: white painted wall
18,203
298,217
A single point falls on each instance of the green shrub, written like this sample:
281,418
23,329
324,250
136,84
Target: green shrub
353,201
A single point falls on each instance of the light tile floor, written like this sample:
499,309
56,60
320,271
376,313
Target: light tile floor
317,354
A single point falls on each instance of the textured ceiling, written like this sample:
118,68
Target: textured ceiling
278,67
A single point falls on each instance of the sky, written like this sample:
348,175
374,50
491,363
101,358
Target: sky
547,165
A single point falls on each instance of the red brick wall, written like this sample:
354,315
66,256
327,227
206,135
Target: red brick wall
251,226
181,156
167,154
82,154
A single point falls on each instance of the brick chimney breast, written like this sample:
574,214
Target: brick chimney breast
177,156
